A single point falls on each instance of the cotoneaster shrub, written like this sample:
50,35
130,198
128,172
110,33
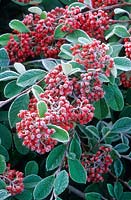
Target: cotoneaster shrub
65,119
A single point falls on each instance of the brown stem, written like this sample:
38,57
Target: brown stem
119,5
120,21
119,179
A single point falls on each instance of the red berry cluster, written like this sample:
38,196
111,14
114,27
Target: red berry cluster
127,46
97,164
125,79
13,180
93,56
34,131
103,3
40,40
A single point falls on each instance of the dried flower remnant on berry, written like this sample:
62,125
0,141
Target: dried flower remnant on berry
97,164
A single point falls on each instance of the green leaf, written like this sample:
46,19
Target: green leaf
59,33
101,109
77,171
121,31
78,4
2,184
61,182
55,157
110,190
65,53
8,75
25,195
120,10
75,147
93,130
5,136
126,196
19,146
67,68
31,181
122,63
114,97
20,103
30,77
121,147
93,196
20,68
31,168
5,38
4,58
11,89
122,125
43,188
118,190
4,152
37,90
118,167
60,134
4,194
19,26
42,108
74,36
35,10
43,15
2,164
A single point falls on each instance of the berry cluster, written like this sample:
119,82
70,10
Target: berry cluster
103,3
34,131
40,40
93,56
97,164
13,180
125,79
127,46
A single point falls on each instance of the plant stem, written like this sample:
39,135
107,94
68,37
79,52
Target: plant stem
119,179
119,5
76,191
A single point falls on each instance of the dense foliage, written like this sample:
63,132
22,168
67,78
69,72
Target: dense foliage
65,109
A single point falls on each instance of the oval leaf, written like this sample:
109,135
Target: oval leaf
43,188
30,77
60,134
61,182
2,164
31,168
77,171
19,26
122,125
42,108
55,157
20,103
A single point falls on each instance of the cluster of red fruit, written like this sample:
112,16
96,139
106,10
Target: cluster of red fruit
40,40
97,164
125,77
103,3
13,180
93,55
69,99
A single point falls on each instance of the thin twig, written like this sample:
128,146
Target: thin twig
119,179
77,192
